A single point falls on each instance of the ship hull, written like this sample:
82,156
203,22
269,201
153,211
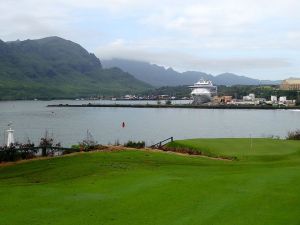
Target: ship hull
201,99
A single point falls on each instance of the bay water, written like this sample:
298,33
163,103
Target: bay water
31,119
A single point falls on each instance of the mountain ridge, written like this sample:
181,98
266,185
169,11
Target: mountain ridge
159,76
53,67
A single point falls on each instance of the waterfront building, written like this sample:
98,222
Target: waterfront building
130,97
291,84
282,99
222,100
274,99
226,99
163,97
250,97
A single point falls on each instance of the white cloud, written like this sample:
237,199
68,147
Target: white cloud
190,34
30,19
217,19
223,18
180,60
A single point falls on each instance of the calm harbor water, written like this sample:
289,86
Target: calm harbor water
69,125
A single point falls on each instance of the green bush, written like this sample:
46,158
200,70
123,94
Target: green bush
15,153
168,102
293,135
132,144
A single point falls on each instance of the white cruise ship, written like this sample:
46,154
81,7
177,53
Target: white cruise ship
203,91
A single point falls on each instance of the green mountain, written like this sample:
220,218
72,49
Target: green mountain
57,68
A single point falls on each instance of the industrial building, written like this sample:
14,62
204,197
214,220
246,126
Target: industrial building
292,84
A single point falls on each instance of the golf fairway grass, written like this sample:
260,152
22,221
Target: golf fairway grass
140,187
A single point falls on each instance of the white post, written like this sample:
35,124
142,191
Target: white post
10,137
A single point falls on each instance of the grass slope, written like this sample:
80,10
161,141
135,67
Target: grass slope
242,148
136,187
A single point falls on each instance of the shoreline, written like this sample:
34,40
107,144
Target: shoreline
174,106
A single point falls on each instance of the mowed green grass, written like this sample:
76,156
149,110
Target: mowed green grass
138,187
242,148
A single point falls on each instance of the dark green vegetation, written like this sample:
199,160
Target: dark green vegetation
294,135
138,187
56,68
178,91
236,91
260,91
135,144
28,150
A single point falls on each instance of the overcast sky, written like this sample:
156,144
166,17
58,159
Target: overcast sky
257,38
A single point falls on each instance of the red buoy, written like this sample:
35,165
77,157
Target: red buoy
123,124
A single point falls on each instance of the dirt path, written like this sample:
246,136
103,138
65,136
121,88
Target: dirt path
121,148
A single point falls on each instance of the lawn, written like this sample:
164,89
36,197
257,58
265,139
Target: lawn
138,187
242,148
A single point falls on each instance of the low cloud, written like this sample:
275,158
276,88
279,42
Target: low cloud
214,35
181,60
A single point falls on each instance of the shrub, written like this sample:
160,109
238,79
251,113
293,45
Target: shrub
84,148
17,152
293,135
88,144
46,145
132,144
168,102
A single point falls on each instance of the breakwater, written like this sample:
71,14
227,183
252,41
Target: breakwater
188,106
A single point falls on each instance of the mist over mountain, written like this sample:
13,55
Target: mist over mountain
159,76
53,67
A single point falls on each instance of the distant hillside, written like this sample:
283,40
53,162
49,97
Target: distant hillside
56,68
153,74
230,79
159,76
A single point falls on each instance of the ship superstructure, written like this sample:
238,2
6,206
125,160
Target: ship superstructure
203,91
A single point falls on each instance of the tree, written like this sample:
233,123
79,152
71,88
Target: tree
47,143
